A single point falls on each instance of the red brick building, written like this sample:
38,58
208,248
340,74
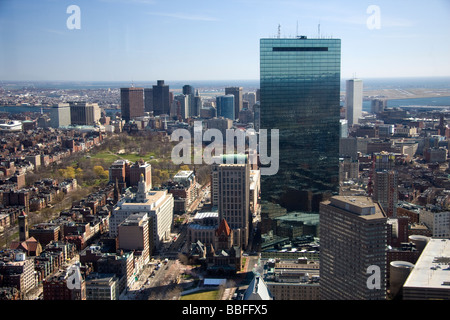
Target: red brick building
57,288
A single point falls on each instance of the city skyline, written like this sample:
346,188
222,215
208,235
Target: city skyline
98,203
142,40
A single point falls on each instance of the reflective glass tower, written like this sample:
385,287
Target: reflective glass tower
299,95
225,106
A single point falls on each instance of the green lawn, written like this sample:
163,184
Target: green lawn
111,157
202,295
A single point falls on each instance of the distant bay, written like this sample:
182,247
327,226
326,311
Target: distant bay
22,109
431,101
248,85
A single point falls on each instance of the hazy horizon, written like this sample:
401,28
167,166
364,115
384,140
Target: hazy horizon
369,83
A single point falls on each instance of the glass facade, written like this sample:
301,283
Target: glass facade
299,95
225,106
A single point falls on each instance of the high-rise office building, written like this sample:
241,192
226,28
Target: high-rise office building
238,101
299,96
60,115
161,98
84,114
131,103
148,99
230,188
385,182
344,129
251,98
182,103
197,105
353,100
353,240
119,171
141,168
378,105
188,89
135,235
157,204
257,115
128,174
226,106
189,92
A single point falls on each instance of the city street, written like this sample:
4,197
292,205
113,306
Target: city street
157,283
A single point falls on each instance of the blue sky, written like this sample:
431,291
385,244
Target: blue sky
145,40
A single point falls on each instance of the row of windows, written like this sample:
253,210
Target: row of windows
303,59
232,195
300,49
320,59
290,98
235,180
269,52
233,206
300,65
271,85
280,49
294,94
319,76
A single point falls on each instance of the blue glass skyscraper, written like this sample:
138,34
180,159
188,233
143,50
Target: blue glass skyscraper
225,106
299,95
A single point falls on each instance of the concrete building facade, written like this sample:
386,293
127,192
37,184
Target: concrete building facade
353,100
157,204
353,239
232,178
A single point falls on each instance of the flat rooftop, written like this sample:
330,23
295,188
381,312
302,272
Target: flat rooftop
432,269
183,174
135,219
153,199
359,205
203,215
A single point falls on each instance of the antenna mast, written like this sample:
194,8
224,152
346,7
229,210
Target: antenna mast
279,31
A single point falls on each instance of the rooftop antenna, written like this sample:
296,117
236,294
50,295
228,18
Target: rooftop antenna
296,33
318,29
279,31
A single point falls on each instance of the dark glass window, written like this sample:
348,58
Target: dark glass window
299,49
